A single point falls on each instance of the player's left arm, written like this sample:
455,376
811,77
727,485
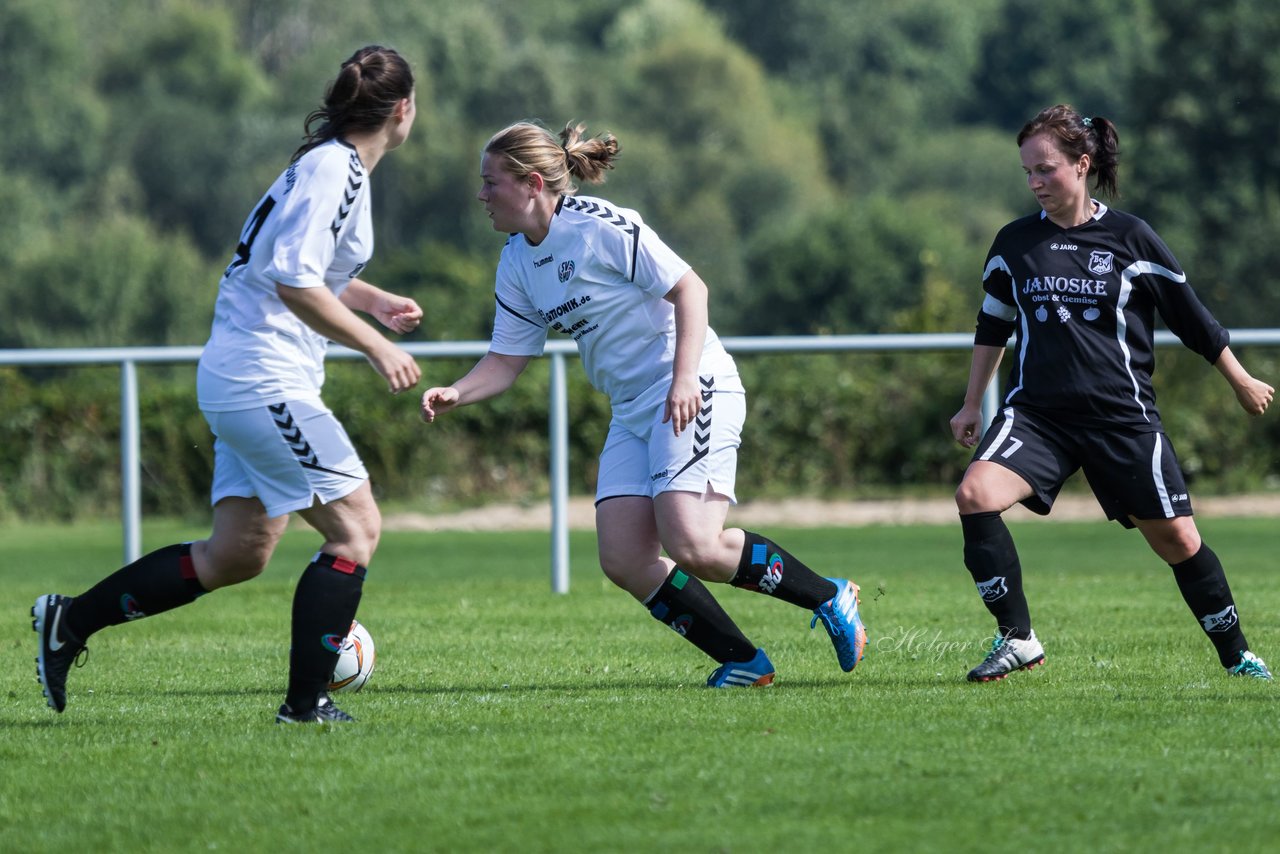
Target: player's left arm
1197,328
1187,318
689,296
397,313
329,316
1254,394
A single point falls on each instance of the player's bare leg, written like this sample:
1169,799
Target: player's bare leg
691,526
631,556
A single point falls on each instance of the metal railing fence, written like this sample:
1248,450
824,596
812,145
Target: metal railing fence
128,358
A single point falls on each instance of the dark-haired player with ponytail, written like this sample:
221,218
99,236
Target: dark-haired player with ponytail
292,286
586,268
1082,283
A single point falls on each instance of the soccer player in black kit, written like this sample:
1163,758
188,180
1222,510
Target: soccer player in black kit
1081,283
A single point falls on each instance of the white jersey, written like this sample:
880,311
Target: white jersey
600,275
312,229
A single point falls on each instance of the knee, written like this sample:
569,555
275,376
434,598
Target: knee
361,546
358,540
701,558
616,572
222,567
972,496
1177,544
244,569
613,565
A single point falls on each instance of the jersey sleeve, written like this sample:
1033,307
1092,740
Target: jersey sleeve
639,255
304,243
518,328
1160,275
657,267
999,312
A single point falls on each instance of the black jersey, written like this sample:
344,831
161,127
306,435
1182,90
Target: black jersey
1083,301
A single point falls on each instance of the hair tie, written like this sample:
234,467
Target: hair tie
1088,122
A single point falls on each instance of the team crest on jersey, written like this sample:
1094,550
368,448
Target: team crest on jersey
566,271
1100,262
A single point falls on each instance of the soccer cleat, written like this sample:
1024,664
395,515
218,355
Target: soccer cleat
1250,665
324,712
1006,656
839,615
58,650
743,674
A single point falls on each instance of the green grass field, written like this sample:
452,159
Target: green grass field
505,718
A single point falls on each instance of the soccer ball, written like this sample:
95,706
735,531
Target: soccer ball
355,660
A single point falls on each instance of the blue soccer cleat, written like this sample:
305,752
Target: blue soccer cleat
839,615
743,674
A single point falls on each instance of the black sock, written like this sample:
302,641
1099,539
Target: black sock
1204,588
324,604
152,584
767,568
686,605
993,562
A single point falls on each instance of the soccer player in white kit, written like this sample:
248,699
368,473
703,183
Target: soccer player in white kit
586,268
291,287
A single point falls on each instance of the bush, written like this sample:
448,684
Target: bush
825,425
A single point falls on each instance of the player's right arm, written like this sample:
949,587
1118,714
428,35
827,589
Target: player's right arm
491,376
966,425
995,325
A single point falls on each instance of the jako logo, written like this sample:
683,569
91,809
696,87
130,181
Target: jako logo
566,271
1063,247
1221,621
992,589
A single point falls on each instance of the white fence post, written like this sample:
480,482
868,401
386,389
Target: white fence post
130,462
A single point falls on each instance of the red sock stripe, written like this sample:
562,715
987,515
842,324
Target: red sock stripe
186,565
342,564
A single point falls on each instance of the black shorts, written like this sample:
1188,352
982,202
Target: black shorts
1131,473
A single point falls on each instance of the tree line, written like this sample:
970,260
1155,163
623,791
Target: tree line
829,166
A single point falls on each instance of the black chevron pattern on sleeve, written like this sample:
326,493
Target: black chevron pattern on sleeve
355,180
607,214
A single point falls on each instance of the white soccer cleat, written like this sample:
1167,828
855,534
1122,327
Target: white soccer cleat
1006,656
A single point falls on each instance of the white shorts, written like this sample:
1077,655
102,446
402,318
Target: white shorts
705,454
286,455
